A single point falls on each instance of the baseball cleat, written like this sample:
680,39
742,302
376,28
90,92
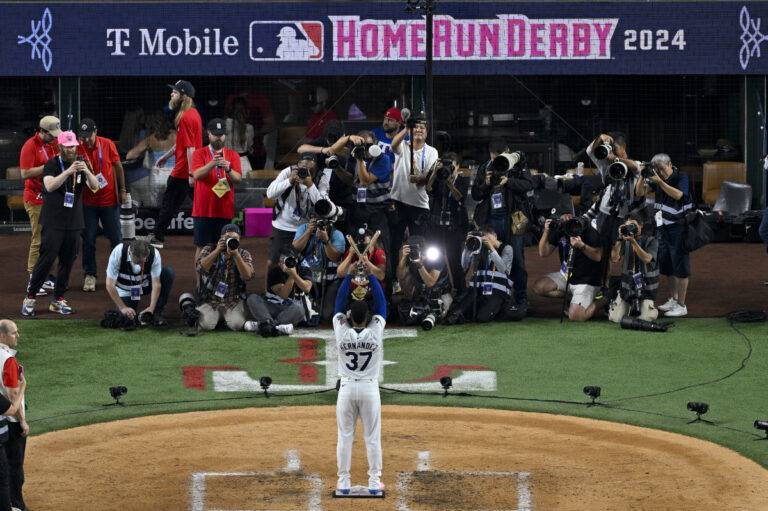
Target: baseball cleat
373,490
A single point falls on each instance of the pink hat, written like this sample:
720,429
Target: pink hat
68,139
394,113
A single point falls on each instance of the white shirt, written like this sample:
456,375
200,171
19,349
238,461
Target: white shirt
402,189
113,267
287,221
359,354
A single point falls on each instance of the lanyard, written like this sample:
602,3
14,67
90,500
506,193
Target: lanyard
61,166
101,158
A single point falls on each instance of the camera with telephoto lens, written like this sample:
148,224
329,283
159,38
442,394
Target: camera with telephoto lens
425,312
302,172
415,253
474,241
233,243
290,261
146,318
444,169
603,150
322,224
628,229
188,306
618,171
116,319
574,227
332,162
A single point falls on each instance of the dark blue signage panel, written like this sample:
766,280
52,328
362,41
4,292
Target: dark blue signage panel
128,38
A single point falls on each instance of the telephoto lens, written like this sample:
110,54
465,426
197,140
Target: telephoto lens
358,152
303,173
233,243
603,150
618,171
332,162
290,262
428,322
146,318
474,243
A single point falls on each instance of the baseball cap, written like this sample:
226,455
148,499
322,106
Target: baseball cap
230,228
86,127
307,156
217,127
183,87
394,113
67,139
51,124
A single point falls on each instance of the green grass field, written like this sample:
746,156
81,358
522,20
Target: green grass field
70,364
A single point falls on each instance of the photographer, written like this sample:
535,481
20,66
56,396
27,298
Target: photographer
282,306
501,189
368,176
61,216
425,287
223,270
413,162
134,270
486,261
639,272
578,245
321,246
295,194
216,170
448,188
672,200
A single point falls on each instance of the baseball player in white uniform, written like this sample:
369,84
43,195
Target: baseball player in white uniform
360,348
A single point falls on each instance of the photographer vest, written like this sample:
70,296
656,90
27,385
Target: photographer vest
376,192
487,277
673,211
218,273
126,278
5,354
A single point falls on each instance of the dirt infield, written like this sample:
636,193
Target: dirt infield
726,277
434,459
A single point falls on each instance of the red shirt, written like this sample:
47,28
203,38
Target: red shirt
101,158
189,134
34,153
207,204
318,121
11,373
378,259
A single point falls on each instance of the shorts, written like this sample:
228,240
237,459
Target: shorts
674,260
558,278
582,294
208,230
280,243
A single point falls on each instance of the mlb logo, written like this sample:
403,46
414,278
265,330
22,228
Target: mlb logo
286,40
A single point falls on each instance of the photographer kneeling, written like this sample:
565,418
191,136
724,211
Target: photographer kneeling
223,269
321,246
639,273
578,245
425,287
135,269
487,262
282,305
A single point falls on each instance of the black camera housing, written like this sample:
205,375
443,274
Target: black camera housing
648,170
302,172
233,243
574,227
360,151
290,261
628,230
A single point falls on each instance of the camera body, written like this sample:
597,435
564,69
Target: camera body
629,229
444,169
188,307
574,227
290,261
324,224
302,172
425,312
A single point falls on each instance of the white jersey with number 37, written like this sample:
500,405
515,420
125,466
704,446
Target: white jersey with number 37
360,353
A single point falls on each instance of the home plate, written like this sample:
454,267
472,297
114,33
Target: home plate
357,492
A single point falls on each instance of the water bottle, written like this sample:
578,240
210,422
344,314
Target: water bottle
580,169
128,219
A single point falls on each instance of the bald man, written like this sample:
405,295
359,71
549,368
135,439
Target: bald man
12,387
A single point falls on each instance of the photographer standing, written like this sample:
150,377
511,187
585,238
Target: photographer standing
282,305
223,270
321,246
639,273
410,176
672,201
486,261
501,189
448,189
295,194
216,170
61,216
578,245
134,270
424,283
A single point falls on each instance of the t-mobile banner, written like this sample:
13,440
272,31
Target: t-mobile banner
170,38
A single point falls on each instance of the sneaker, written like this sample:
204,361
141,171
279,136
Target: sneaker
61,307
251,326
668,305
376,488
678,312
89,283
343,486
156,242
28,307
286,329
49,284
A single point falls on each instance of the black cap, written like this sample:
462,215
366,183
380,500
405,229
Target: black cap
85,128
217,127
184,87
230,228
307,156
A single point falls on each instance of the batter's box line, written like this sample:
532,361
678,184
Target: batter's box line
199,478
524,502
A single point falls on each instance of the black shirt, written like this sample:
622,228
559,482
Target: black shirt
585,270
277,276
441,199
53,214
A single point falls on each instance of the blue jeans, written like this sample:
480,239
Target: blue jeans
110,223
763,231
167,276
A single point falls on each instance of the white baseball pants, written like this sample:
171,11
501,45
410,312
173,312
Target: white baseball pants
359,398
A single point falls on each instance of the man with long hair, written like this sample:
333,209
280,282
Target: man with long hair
189,137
